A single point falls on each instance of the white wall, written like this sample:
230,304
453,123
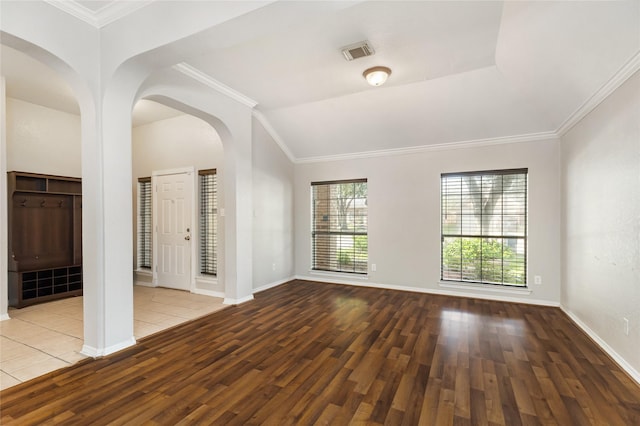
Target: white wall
35,139
42,140
4,244
273,211
176,142
45,140
601,223
105,96
404,214
183,141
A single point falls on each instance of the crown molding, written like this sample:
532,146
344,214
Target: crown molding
104,16
274,135
531,137
119,9
623,74
76,10
211,82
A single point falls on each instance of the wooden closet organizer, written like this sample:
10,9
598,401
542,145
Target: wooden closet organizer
45,237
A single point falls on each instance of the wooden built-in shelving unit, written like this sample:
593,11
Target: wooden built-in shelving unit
45,237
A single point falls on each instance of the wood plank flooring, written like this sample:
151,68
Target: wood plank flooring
310,353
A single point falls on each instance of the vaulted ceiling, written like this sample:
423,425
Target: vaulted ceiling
461,71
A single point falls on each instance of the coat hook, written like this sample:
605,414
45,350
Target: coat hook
42,203
23,203
60,204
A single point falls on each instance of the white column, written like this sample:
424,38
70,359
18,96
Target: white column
107,229
238,190
4,296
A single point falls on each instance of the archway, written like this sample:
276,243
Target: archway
232,122
106,174
43,140
171,149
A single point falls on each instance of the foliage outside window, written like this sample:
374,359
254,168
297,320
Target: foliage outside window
339,226
208,222
484,227
144,222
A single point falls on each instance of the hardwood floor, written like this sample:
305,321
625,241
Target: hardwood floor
309,353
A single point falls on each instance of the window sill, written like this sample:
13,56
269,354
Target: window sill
489,288
342,275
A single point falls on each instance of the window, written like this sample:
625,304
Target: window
144,222
484,227
208,222
339,226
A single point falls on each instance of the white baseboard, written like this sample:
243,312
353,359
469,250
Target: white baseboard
496,297
273,284
230,301
145,284
604,345
205,292
95,352
90,351
4,317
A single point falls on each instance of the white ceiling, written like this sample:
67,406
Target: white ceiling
302,63
462,71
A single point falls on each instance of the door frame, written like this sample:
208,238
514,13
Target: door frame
195,236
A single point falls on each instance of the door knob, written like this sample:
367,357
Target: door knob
188,237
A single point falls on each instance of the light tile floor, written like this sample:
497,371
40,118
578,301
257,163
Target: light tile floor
42,338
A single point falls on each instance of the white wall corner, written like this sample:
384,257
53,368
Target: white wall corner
4,317
623,74
635,375
273,284
274,135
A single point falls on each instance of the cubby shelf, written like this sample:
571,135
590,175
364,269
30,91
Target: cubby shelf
45,237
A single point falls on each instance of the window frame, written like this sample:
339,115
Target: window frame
145,224
208,229
482,236
334,258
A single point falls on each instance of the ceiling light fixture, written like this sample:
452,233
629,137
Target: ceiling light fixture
376,76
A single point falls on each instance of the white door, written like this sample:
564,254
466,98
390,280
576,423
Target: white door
174,195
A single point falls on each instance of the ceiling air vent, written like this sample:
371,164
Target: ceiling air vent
357,50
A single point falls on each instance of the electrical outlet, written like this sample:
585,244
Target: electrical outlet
537,280
373,267
626,326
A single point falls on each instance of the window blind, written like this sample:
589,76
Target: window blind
484,227
144,223
208,222
339,226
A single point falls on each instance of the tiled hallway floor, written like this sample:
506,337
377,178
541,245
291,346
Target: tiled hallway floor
42,338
